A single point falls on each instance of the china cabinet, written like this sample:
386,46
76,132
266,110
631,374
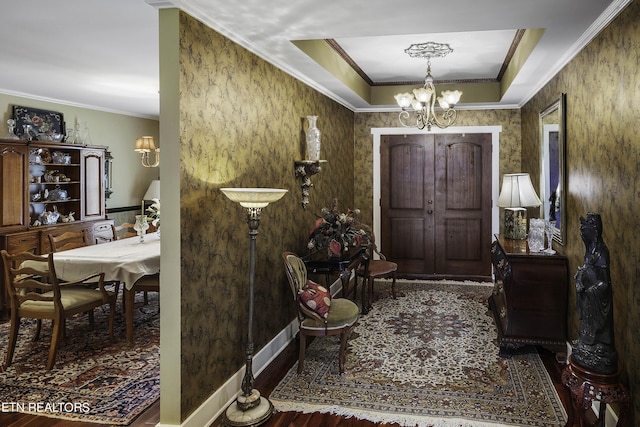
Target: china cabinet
49,188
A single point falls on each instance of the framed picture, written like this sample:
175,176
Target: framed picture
43,125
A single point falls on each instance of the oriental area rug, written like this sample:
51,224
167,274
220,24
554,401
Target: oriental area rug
428,358
93,380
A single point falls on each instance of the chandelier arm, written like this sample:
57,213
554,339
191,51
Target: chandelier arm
448,118
404,115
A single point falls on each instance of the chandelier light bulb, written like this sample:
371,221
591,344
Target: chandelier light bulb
442,103
452,97
404,99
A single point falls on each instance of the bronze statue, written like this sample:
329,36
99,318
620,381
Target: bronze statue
594,349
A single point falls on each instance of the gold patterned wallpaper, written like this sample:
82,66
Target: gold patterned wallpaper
242,124
603,163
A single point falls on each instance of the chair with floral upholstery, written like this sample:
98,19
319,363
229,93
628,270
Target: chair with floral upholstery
318,313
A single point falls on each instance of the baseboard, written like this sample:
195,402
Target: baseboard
217,403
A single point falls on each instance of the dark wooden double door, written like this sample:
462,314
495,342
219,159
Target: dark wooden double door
436,204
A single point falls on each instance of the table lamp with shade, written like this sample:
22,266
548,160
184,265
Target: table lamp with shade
153,192
516,195
249,408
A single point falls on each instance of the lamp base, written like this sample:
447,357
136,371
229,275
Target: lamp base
515,223
234,416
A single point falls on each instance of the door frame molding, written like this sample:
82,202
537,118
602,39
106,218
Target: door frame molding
495,165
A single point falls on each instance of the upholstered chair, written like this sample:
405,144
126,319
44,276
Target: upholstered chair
318,313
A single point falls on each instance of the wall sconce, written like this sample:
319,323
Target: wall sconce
517,193
144,145
305,169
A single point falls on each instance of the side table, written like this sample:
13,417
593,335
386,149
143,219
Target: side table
344,265
587,386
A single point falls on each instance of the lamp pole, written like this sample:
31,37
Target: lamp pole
249,408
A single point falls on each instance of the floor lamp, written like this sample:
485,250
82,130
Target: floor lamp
249,408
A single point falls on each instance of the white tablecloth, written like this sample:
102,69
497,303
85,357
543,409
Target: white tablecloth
125,260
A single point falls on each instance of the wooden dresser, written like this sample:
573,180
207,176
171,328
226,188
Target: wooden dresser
529,300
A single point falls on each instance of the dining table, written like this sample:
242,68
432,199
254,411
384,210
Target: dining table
124,260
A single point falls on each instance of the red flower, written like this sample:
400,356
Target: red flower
335,247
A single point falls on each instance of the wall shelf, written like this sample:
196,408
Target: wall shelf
304,170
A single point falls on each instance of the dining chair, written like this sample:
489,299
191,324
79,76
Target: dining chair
150,283
377,268
123,231
68,240
318,313
35,292
72,240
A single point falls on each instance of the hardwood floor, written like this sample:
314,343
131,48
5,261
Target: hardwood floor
266,382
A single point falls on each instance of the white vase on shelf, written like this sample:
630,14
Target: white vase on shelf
313,139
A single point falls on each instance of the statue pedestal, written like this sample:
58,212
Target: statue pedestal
587,386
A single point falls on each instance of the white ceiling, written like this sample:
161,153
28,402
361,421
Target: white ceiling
103,54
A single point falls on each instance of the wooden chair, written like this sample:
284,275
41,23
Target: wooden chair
72,240
35,292
123,231
341,318
68,240
144,284
378,268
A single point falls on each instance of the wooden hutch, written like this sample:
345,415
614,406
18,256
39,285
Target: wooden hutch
49,188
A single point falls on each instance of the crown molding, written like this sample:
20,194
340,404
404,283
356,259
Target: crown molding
594,29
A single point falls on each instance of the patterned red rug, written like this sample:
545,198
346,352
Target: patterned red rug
93,380
428,358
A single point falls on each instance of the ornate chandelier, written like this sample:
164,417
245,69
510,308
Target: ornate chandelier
423,99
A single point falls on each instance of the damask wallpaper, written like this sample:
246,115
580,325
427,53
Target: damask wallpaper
603,163
242,125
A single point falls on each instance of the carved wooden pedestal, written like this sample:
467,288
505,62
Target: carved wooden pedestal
586,386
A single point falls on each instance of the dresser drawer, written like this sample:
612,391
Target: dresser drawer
23,242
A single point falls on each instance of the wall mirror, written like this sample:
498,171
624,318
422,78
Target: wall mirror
552,170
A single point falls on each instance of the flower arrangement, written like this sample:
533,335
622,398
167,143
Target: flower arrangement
154,212
337,232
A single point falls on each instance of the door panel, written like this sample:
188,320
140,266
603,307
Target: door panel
436,203
463,204
407,185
